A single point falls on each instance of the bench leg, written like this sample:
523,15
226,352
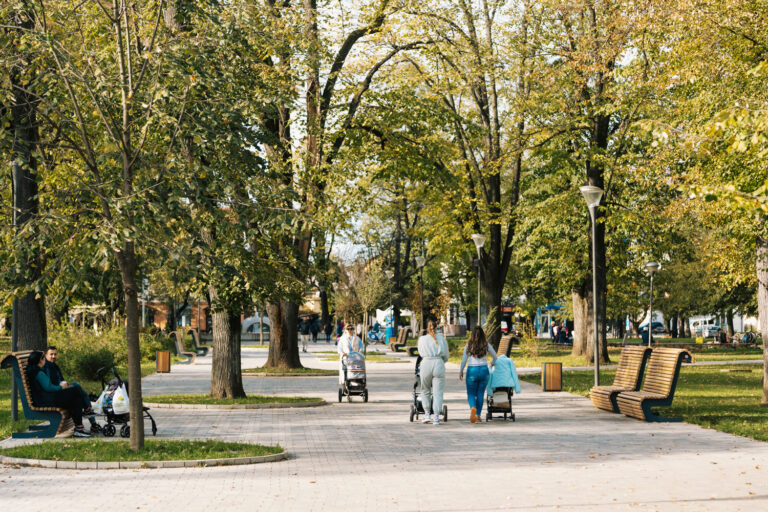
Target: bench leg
41,431
652,416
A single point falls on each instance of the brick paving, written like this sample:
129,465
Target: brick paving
560,454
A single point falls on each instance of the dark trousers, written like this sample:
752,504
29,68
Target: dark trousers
71,399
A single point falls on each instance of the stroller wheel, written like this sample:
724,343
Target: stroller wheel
125,431
365,396
341,393
413,412
488,417
512,417
445,413
109,430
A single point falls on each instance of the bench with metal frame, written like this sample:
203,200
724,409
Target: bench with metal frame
178,342
629,376
661,374
59,420
402,339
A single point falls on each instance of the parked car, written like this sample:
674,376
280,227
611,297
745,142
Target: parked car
251,324
707,330
658,328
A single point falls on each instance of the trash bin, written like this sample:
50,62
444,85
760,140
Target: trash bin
163,361
552,376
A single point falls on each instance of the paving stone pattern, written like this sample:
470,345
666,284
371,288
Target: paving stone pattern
560,454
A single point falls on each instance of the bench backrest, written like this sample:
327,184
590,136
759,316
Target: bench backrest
402,336
18,362
662,370
178,340
504,346
631,364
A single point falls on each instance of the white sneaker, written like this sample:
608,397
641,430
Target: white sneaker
426,419
436,421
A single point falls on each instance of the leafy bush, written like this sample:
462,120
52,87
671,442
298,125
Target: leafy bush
83,351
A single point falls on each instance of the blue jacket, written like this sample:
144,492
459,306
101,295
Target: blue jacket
503,375
43,391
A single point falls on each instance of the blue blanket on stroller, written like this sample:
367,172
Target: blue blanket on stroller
503,375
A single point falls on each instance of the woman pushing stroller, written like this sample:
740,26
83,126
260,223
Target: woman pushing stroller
476,352
433,349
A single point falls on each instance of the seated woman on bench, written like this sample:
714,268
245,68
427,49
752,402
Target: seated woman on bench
57,378
46,394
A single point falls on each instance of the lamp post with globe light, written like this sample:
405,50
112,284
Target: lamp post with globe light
479,241
592,196
420,262
390,274
651,267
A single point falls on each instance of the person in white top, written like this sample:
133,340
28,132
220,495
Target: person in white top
433,349
348,343
476,352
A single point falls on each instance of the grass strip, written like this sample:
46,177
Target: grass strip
98,450
294,371
209,400
727,401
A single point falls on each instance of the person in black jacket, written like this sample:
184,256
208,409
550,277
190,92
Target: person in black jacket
47,394
54,373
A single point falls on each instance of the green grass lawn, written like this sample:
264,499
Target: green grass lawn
705,395
97,450
209,400
293,371
563,355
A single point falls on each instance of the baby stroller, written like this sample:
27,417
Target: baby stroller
503,383
417,407
353,366
107,407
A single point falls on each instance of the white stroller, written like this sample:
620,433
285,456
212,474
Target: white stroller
353,366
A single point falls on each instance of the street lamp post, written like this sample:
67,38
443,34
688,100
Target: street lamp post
479,241
420,262
592,196
390,274
651,267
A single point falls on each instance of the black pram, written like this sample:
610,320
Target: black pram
107,409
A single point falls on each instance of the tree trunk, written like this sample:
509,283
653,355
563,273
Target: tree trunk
31,325
492,286
762,307
729,316
226,371
284,350
582,320
126,260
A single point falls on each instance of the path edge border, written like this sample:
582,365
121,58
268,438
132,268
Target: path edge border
228,407
148,464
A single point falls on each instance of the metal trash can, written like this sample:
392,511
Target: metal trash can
163,361
552,376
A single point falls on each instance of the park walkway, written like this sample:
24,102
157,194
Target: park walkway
560,454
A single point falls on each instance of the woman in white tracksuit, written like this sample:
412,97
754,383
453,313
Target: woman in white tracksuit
433,349
348,343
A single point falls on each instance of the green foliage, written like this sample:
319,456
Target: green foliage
83,351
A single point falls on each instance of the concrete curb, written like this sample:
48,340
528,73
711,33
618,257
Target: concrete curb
149,464
334,374
276,405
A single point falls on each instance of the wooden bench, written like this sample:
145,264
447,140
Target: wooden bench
628,378
178,342
659,385
505,345
200,349
60,422
402,339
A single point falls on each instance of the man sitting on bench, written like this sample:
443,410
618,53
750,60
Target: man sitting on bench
57,379
46,394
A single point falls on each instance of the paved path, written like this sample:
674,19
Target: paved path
560,454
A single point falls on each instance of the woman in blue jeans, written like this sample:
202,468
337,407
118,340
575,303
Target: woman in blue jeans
476,352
